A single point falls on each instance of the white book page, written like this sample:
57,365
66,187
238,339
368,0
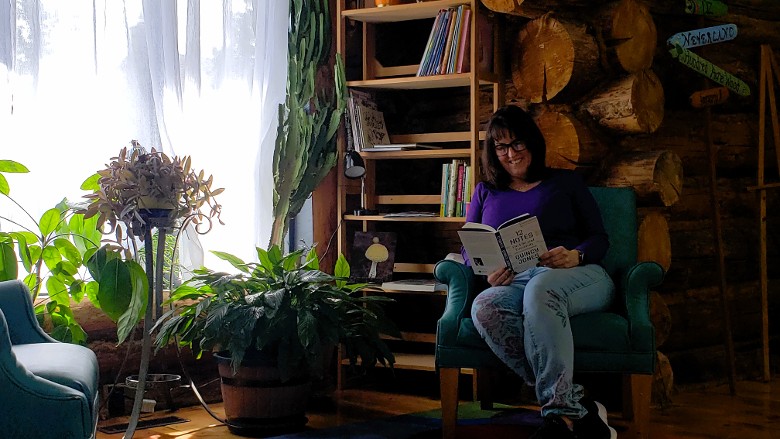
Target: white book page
483,250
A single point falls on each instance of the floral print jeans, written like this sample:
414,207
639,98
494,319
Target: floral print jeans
526,324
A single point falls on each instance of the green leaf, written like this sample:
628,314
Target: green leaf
341,271
85,232
57,290
115,290
24,250
234,260
9,268
91,183
51,256
138,301
32,280
77,290
68,250
5,189
312,260
91,289
11,166
49,221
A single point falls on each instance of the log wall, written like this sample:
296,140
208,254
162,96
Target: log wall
624,111
690,293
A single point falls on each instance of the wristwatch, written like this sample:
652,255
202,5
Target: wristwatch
581,254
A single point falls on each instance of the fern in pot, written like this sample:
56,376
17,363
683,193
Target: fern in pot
272,326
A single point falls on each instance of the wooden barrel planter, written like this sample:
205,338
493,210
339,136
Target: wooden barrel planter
257,402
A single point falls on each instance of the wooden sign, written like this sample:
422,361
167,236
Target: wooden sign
704,36
706,68
706,7
709,97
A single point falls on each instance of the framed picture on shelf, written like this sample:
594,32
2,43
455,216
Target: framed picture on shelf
372,256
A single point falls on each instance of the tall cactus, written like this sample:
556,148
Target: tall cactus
306,138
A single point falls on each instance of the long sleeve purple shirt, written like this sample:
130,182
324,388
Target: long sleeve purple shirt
567,212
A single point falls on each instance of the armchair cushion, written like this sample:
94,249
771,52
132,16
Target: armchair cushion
66,364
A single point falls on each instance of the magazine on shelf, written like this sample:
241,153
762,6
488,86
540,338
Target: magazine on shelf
401,146
422,285
517,243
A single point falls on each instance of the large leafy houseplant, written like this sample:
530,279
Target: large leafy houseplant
60,253
283,306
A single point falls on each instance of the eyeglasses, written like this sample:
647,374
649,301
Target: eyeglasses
517,146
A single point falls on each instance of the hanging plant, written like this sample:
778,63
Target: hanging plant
137,186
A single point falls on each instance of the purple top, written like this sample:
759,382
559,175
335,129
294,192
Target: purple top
567,212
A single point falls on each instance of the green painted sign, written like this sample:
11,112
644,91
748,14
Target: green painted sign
706,7
704,36
709,70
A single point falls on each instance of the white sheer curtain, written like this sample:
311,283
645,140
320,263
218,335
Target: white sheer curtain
79,79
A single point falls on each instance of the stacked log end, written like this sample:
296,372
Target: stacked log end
570,143
656,176
627,36
554,60
632,104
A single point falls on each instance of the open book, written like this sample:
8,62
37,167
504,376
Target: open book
517,243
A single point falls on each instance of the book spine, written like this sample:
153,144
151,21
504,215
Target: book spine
445,178
348,129
429,45
453,53
463,46
459,193
448,40
441,40
504,253
452,187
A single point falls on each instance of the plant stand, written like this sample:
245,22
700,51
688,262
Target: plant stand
154,274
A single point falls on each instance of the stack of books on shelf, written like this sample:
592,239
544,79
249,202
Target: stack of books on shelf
456,194
447,49
365,123
366,129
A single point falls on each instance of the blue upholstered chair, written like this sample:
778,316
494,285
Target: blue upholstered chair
620,340
48,389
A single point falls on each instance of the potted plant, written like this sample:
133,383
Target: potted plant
137,186
271,326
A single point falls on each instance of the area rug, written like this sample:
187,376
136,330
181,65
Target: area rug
503,422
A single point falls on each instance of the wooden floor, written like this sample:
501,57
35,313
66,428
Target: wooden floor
700,412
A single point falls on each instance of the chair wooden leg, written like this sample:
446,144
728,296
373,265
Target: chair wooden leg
485,388
636,404
448,382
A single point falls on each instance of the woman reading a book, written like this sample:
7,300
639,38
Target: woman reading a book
524,317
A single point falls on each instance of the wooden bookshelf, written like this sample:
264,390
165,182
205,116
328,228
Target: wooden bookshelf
382,190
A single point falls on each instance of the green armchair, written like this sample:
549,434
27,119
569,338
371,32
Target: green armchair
620,340
49,389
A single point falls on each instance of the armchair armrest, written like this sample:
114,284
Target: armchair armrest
638,281
16,304
31,394
459,279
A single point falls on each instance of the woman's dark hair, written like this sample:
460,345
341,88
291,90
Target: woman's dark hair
513,122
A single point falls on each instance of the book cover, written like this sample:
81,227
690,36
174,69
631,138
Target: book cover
372,125
516,243
422,285
372,257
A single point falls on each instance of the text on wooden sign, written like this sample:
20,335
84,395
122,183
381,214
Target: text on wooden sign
708,69
706,7
704,36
